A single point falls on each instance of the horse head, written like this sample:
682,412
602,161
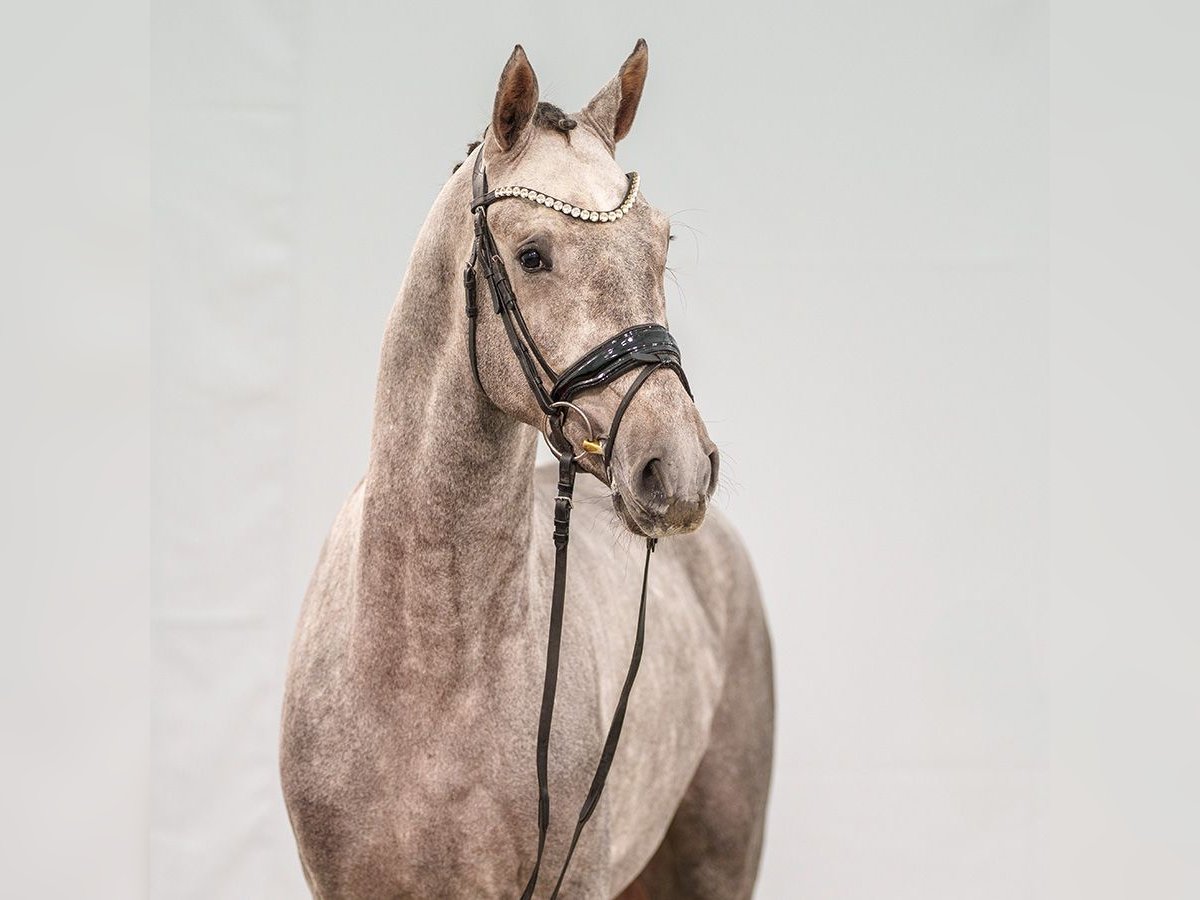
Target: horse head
584,252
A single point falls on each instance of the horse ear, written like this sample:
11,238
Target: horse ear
516,99
612,110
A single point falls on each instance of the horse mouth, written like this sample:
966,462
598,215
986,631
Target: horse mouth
646,524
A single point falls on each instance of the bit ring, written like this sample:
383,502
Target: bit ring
567,406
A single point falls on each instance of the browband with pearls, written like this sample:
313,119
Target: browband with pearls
562,206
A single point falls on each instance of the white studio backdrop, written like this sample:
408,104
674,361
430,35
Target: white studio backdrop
861,192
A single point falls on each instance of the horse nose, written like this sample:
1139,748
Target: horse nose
675,488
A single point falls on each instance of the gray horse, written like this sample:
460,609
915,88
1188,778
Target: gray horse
415,678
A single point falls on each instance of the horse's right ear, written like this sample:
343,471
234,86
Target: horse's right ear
516,99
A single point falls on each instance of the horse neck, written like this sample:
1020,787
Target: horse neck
447,505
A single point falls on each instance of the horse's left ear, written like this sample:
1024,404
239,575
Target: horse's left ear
612,110
516,99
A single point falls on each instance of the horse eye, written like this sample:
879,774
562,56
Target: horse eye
532,260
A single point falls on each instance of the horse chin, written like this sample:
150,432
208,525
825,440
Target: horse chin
646,525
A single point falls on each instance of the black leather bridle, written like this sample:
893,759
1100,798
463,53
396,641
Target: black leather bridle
649,347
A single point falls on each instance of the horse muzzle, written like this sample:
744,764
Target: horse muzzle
665,490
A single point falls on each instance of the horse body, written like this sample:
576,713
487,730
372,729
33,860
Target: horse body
410,716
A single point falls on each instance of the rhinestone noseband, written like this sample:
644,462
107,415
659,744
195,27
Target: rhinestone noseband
648,347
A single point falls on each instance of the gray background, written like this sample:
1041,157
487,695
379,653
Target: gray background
862,286
937,295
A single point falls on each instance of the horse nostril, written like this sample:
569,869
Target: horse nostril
650,482
714,470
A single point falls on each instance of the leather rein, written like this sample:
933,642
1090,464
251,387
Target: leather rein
649,347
